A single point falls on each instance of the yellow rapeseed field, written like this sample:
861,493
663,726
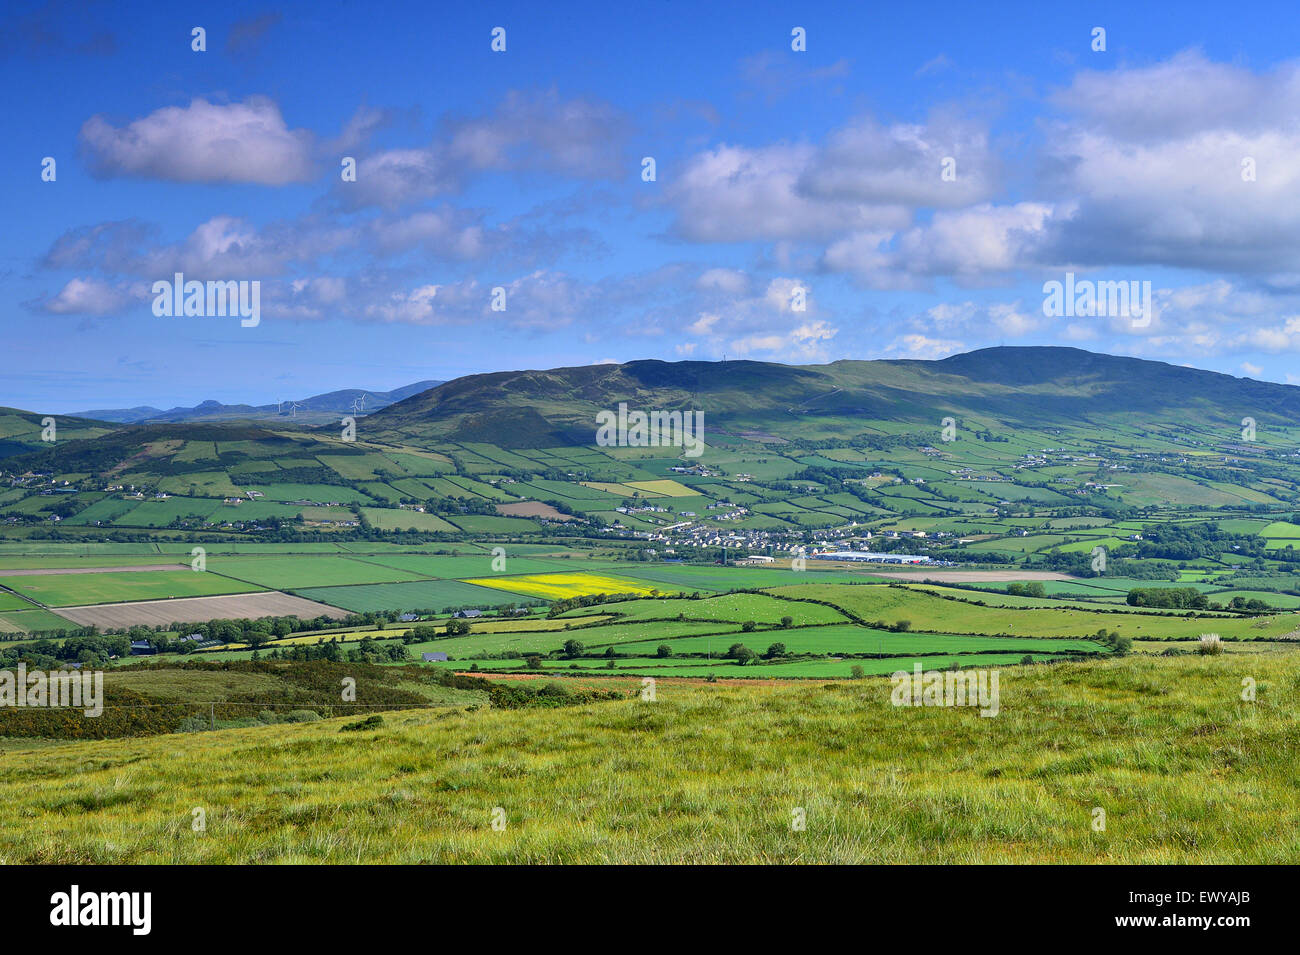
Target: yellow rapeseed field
563,586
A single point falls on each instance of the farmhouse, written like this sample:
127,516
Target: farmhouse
434,657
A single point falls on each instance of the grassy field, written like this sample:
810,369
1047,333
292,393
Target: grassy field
27,621
892,604
853,639
760,608
824,668
68,590
307,571
10,601
415,595
1184,770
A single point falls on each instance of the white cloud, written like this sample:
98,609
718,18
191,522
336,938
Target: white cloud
538,301
971,245
1154,156
805,343
203,142
89,296
904,164
996,320
924,347
734,194
729,281
526,132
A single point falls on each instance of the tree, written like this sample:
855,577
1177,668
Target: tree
787,623
664,651
533,662
748,626
741,653
775,650
573,648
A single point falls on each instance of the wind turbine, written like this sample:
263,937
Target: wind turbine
293,409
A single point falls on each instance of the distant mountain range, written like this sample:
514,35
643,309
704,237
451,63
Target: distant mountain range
311,410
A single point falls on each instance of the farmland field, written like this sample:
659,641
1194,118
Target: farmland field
895,603
306,571
416,595
761,608
160,613
66,590
387,519
560,586
10,601
865,640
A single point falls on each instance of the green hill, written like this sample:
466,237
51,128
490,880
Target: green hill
1009,386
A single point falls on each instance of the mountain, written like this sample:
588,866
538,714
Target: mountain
1024,399
311,410
1003,387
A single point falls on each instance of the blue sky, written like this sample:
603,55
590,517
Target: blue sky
777,170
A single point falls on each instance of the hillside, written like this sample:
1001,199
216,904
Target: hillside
1183,770
1007,386
1052,453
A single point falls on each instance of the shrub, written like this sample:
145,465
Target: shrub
369,723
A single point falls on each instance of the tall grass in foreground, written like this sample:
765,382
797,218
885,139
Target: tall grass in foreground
1183,768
